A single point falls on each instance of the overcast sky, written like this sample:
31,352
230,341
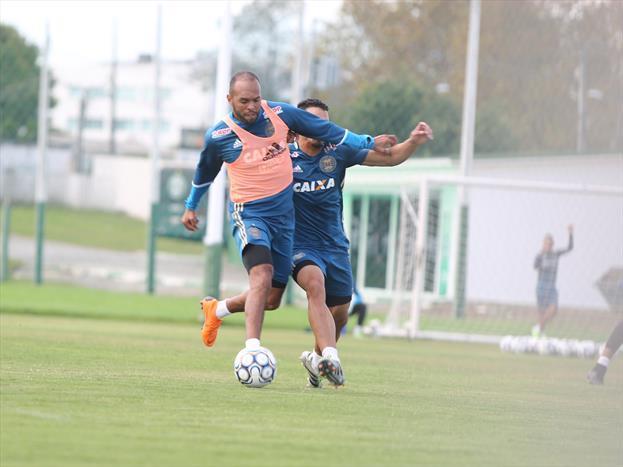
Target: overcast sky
81,31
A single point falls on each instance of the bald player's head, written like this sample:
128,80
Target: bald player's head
242,76
245,96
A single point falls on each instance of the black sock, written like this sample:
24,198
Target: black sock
600,369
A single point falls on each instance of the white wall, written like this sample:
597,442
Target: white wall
17,172
184,103
116,183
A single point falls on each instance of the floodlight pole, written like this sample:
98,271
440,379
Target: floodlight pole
213,239
42,145
6,229
467,155
112,143
155,165
299,57
296,95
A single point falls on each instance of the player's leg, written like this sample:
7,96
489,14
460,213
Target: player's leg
311,278
545,303
360,310
236,303
614,342
309,359
339,290
552,308
339,287
309,273
253,239
340,315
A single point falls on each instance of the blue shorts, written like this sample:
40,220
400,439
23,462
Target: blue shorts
275,233
335,265
546,297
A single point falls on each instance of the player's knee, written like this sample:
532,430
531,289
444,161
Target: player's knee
340,320
314,288
273,302
276,292
260,277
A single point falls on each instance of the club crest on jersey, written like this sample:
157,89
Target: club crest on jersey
220,133
314,185
327,164
297,169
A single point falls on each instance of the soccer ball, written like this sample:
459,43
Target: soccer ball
589,349
255,368
506,343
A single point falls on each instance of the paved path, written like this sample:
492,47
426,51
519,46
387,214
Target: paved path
116,270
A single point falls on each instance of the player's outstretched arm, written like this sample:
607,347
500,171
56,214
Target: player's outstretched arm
207,169
401,152
304,123
570,244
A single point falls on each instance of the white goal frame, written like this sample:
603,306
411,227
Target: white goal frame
426,184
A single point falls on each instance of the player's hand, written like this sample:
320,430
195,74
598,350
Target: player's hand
421,133
190,220
570,228
383,142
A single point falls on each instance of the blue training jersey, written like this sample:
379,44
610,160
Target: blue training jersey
318,183
222,145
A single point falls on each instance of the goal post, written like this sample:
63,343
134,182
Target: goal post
508,220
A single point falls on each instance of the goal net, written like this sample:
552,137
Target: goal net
465,266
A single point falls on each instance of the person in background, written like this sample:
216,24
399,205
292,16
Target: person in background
546,263
358,307
597,373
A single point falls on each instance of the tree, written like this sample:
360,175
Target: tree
19,87
530,57
396,106
262,37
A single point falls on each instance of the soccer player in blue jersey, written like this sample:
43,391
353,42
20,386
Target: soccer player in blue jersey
321,261
252,142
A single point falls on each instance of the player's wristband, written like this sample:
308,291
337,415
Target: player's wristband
356,141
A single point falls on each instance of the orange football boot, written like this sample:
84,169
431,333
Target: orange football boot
211,323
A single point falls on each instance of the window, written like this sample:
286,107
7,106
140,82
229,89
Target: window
125,93
124,124
94,123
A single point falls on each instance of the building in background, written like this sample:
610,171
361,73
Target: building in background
85,106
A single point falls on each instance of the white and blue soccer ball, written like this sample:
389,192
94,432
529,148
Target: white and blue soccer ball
255,368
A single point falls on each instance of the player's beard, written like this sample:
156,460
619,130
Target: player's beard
246,117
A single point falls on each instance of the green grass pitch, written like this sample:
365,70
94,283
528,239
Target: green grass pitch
82,391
